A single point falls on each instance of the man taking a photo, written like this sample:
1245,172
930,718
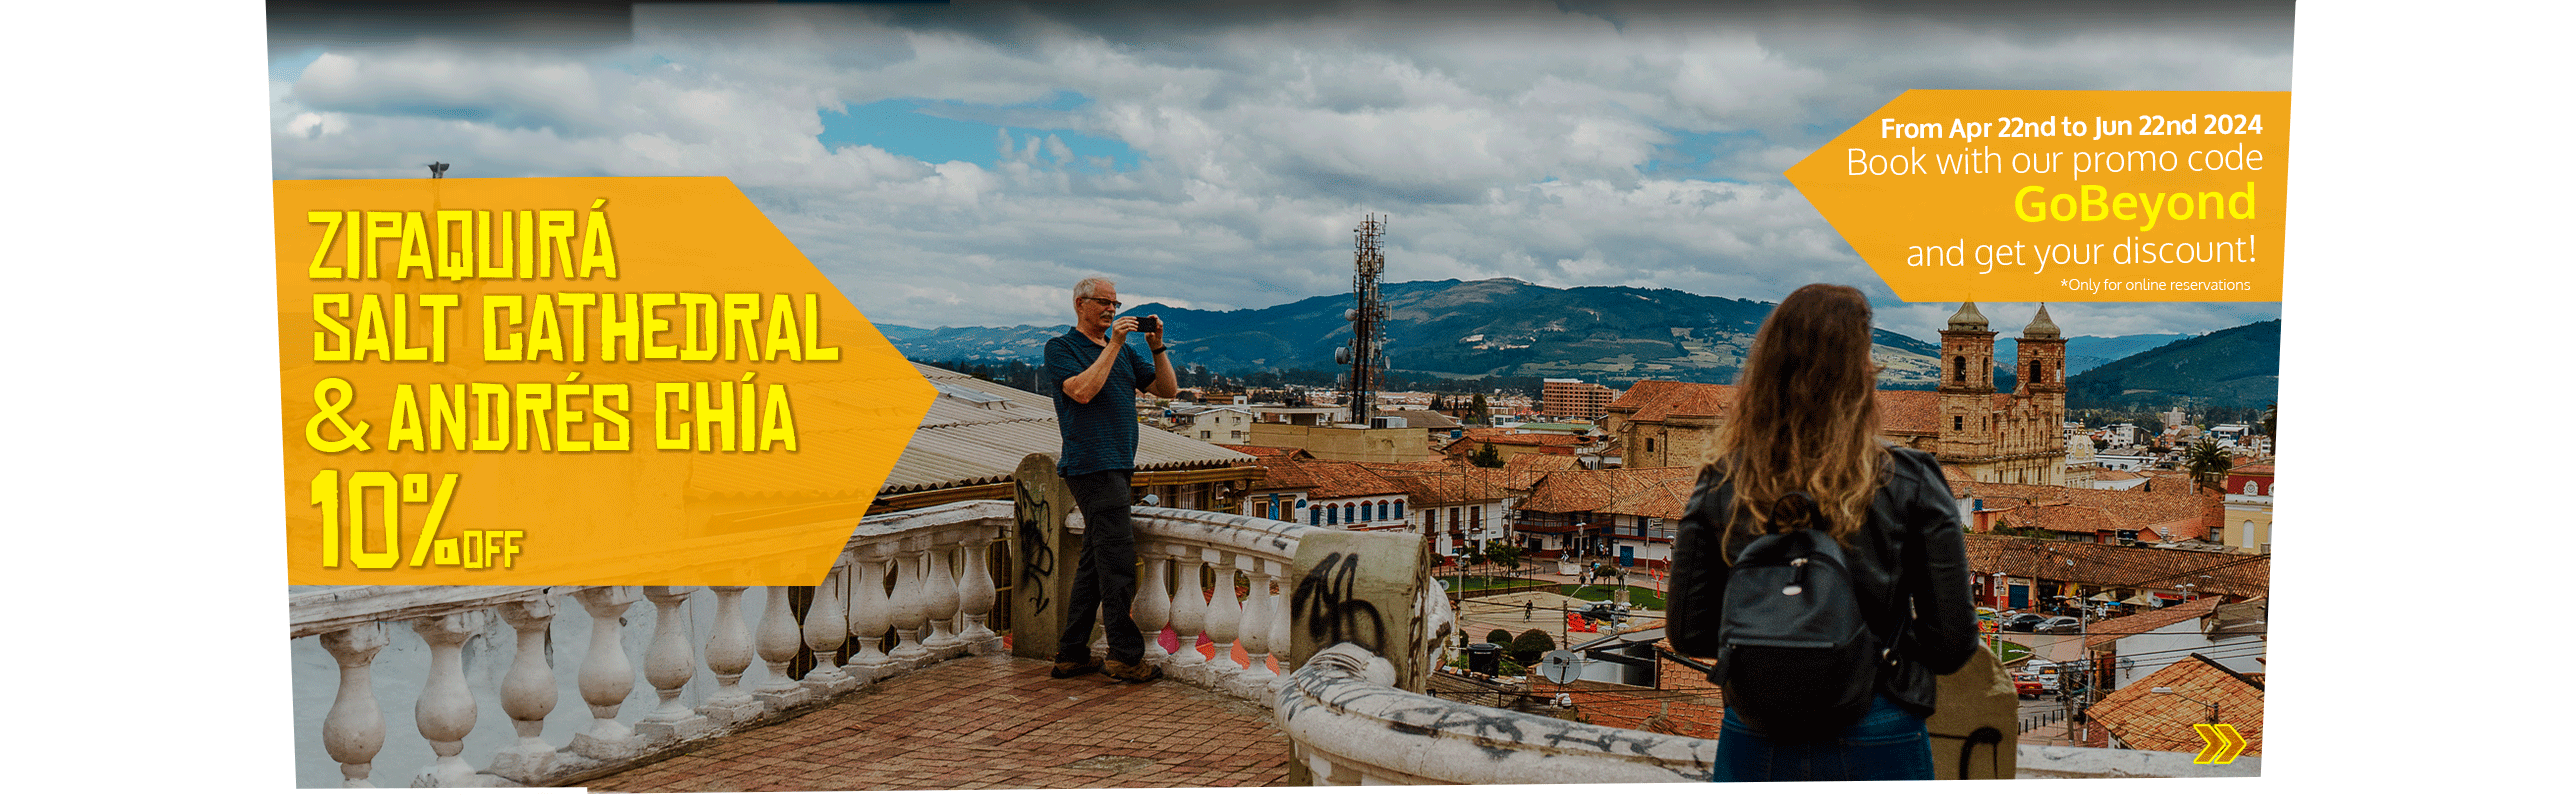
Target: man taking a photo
1098,378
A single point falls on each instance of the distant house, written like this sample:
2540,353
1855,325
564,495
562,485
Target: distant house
2194,690
2248,506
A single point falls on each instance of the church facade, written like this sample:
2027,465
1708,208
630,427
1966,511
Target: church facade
1989,435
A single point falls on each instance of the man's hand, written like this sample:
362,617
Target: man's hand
1155,338
1120,329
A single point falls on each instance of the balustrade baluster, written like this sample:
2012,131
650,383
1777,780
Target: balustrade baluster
942,601
1223,613
353,731
605,680
824,632
728,655
1152,609
977,600
778,641
445,709
1280,627
1190,606
669,666
907,612
871,615
529,692
1254,630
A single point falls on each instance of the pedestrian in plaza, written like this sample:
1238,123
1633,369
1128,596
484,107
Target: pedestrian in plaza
1875,561
1098,378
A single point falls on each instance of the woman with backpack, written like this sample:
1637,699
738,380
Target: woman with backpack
1822,567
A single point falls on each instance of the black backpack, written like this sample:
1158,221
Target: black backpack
1794,654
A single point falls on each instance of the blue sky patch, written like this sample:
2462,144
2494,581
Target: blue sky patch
936,131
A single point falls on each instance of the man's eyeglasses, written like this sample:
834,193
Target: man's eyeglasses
1113,305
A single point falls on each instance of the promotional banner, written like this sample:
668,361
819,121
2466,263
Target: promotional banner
2063,195
581,381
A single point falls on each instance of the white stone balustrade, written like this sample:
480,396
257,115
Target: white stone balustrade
701,658
1348,727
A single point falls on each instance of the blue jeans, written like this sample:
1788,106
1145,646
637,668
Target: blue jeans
1890,744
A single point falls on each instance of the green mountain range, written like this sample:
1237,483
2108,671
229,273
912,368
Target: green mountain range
2229,367
1509,328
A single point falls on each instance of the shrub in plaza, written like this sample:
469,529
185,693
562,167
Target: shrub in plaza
1498,636
1532,645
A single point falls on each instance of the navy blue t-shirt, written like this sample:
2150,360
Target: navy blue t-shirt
1102,434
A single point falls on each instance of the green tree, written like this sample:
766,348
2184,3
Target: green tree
1530,646
1504,554
1485,457
2206,462
1477,412
1497,636
2270,421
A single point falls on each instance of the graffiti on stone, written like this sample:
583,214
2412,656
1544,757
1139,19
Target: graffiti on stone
1324,599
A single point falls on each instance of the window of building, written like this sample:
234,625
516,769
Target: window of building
1399,509
1959,422
1648,445
2249,489
2035,372
1365,511
1430,520
1959,375
2126,537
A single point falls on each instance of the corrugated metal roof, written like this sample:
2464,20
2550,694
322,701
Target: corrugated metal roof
967,440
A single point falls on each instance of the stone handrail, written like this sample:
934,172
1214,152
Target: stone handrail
1351,727
919,580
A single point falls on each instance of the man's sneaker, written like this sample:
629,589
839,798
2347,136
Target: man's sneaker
1140,672
1063,668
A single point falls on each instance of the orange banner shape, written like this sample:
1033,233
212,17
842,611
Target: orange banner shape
570,381
2015,196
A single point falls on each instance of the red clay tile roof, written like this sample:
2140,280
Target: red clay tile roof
1898,411
1542,462
2092,511
1336,479
1661,493
2116,565
1907,411
2149,721
1292,453
1447,488
1483,436
2105,631
1655,401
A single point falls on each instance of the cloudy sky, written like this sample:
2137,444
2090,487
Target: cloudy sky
963,164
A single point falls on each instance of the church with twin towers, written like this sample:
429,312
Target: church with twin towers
1983,433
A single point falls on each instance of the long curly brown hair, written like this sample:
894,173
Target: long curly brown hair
1803,417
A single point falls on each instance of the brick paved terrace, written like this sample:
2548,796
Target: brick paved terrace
988,723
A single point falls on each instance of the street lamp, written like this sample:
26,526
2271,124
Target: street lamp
1999,627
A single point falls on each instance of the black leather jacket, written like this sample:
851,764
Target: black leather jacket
1911,546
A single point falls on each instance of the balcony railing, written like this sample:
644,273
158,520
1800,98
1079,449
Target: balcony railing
1355,612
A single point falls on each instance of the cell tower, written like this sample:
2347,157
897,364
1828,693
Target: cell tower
1368,317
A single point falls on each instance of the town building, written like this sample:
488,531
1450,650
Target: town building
2013,437
1570,398
2248,506
1347,442
2162,710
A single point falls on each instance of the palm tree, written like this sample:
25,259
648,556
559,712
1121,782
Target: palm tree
2206,461
2270,421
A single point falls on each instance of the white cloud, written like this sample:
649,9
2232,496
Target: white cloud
1507,141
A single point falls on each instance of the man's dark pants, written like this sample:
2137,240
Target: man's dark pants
1106,573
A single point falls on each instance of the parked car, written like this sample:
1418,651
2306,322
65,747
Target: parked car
2024,623
2059,625
2027,687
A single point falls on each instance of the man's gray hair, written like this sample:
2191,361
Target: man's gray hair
1084,288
